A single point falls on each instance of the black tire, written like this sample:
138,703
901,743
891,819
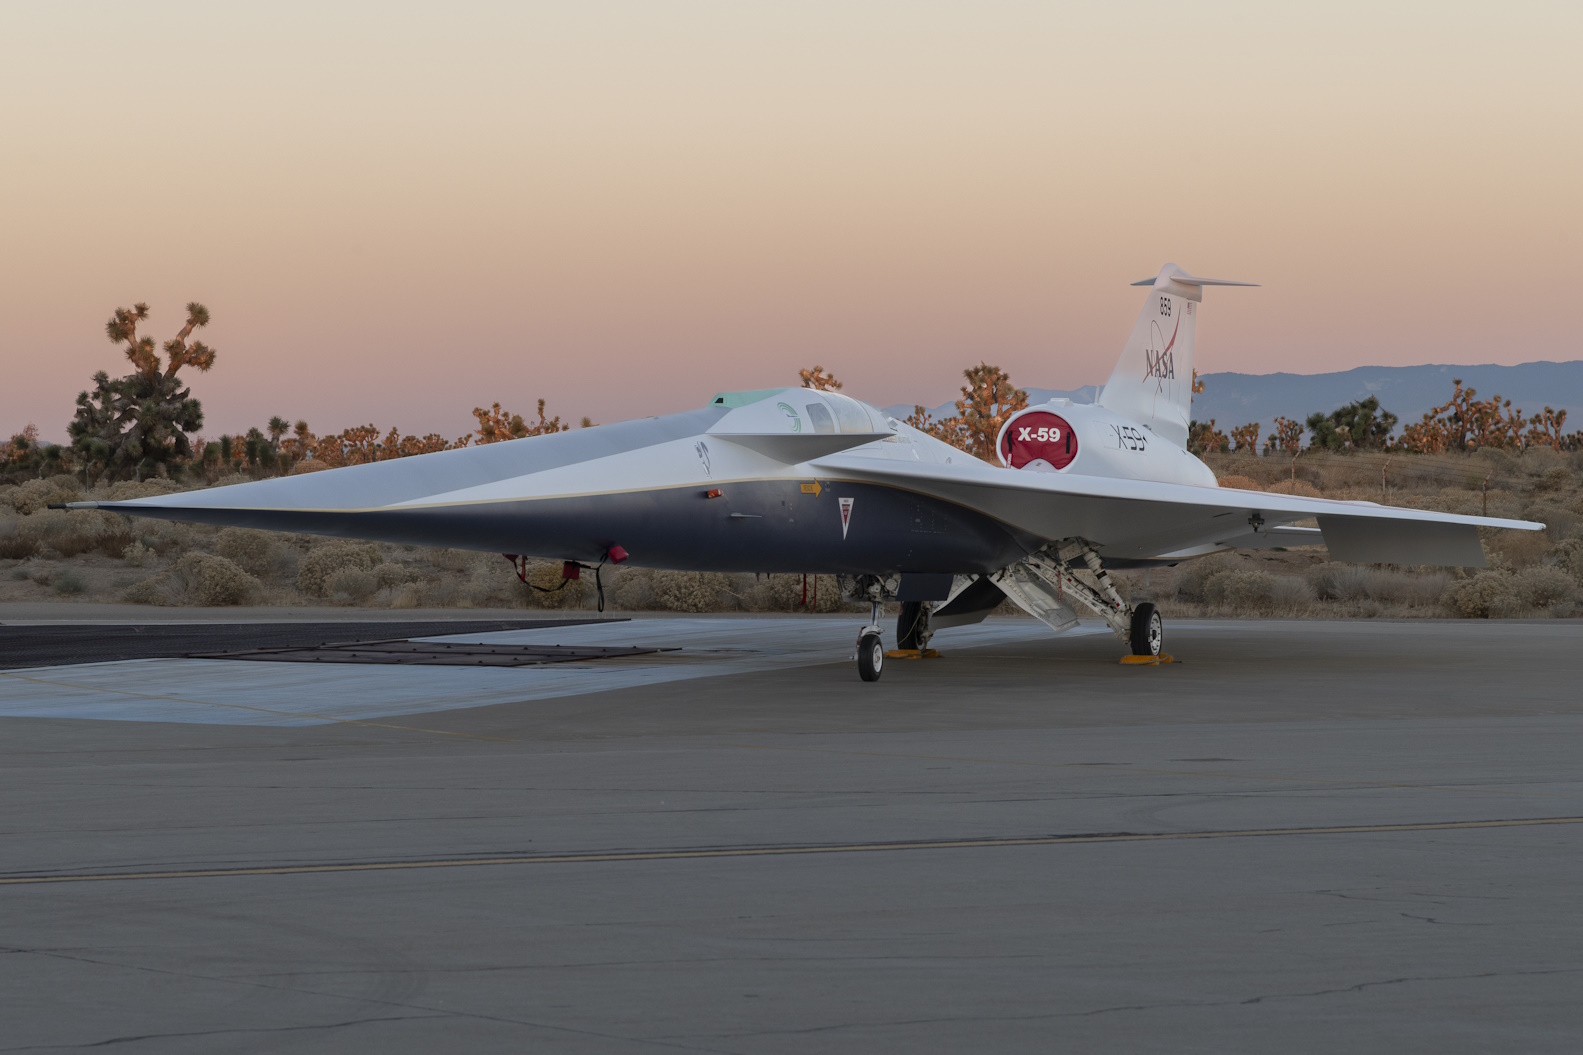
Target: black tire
1148,630
870,657
908,624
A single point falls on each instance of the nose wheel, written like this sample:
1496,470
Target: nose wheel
870,657
871,646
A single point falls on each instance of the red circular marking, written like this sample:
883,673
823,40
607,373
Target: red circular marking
1038,434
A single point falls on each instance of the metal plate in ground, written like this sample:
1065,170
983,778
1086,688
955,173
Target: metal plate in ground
434,653
49,645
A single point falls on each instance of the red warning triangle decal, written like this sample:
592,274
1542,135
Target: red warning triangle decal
846,515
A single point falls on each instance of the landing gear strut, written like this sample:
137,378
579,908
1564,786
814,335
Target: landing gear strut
870,641
870,651
1044,585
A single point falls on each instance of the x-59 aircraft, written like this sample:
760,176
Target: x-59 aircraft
796,480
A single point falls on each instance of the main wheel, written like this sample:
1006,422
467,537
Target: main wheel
1148,631
908,625
870,657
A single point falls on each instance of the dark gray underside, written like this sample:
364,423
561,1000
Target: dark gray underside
761,526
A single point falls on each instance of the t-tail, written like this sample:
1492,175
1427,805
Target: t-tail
1152,383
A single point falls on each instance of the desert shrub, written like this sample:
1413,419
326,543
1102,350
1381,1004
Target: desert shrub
499,588
1419,590
165,536
314,571
198,579
1560,522
1190,581
16,547
72,545
1294,487
1518,549
34,495
1543,586
1291,591
409,595
351,584
631,589
691,591
1555,478
50,524
113,544
393,575
784,593
453,560
127,490
312,465
1239,482
68,583
255,552
550,591
1248,589
1341,582
136,554
1486,595
1569,555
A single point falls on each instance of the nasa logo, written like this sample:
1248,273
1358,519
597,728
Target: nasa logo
1158,365
1038,435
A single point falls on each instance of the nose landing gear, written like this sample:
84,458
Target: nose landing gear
870,654
870,638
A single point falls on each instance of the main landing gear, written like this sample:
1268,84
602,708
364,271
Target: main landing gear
1148,630
1046,585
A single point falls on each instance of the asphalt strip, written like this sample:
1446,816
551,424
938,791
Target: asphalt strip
616,857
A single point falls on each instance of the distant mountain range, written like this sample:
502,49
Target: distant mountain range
1409,392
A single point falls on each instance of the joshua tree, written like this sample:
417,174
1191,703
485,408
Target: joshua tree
496,425
1356,426
818,380
988,399
1204,438
1245,438
138,424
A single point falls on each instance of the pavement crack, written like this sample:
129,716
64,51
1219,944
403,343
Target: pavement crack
236,1031
1441,922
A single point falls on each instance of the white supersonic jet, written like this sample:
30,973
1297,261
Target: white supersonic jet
794,480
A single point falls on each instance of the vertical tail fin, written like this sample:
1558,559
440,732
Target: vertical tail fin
1152,383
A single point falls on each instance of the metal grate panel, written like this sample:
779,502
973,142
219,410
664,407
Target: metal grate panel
433,653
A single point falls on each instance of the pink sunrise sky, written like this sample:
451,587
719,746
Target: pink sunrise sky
396,212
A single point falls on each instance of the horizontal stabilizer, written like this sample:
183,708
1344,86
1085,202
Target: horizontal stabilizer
1366,540
1188,280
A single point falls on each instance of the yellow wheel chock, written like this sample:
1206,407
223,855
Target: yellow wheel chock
1149,661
